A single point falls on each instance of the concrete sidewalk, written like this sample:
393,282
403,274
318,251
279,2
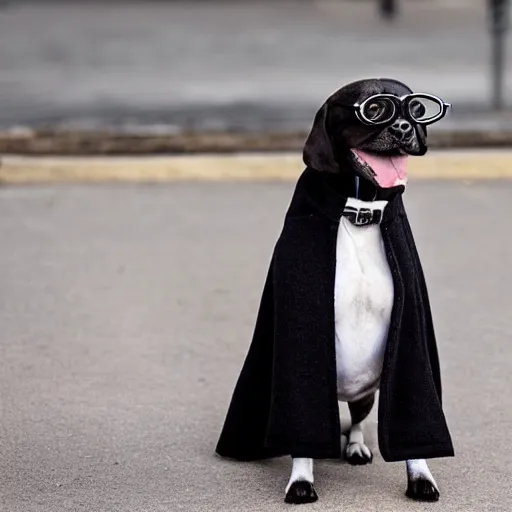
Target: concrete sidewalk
126,313
164,67
436,165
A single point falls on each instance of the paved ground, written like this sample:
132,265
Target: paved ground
231,65
126,312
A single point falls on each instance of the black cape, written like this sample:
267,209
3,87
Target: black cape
285,401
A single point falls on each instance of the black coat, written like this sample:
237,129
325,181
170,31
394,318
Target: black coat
285,401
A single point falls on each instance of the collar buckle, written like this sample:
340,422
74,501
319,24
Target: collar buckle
362,213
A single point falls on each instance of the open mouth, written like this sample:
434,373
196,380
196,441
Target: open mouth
389,152
387,170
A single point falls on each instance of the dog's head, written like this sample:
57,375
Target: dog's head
371,127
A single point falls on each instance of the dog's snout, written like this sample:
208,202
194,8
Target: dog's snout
402,129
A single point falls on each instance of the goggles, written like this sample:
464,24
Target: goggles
385,109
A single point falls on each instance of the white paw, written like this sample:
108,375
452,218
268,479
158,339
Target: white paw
358,454
418,470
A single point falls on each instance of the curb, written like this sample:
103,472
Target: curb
105,143
440,165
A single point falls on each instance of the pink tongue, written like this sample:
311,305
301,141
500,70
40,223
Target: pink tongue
390,171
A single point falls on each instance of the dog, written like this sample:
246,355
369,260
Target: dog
345,310
374,125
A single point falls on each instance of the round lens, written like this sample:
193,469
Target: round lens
424,109
379,110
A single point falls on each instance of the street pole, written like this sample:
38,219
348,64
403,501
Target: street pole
499,22
388,9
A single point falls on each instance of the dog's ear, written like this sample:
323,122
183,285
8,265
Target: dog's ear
318,152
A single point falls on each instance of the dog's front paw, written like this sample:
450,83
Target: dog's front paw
300,492
358,454
422,490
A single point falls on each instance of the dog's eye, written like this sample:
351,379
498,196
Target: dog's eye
417,109
374,109
424,109
378,111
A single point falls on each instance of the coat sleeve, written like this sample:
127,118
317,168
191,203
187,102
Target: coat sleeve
304,419
412,424
285,400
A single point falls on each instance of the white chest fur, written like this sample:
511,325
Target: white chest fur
363,300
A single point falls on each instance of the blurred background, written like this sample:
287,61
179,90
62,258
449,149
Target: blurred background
129,286
230,65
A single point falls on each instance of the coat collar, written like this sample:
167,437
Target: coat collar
329,192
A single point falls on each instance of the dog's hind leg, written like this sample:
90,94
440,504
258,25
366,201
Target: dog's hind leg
300,488
356,452
421,485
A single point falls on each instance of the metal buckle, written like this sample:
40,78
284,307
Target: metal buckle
363,216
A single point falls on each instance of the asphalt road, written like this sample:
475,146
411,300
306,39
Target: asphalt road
126,312
231,65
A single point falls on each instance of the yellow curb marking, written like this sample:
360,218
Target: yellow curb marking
464,165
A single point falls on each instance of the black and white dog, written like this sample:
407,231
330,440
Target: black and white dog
374,134
345,310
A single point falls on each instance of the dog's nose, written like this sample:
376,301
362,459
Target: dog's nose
402,129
